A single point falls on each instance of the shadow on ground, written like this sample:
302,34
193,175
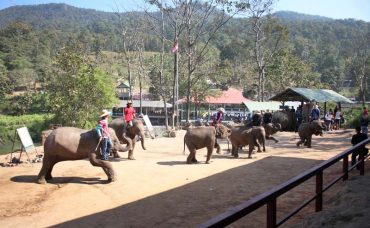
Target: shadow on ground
60,180
196,202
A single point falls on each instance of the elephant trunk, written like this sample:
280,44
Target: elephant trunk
142,140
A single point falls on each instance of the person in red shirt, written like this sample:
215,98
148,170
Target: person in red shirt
129,114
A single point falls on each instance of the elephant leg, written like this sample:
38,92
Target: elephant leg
48,174
209,152
263,144
309,139
47,163
116,154
107,167
191,156
251,146
256,143
131,151
217,146
300,141
234,150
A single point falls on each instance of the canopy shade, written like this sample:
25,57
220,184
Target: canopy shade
307,95
258,106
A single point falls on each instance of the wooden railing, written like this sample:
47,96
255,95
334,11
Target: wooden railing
269,198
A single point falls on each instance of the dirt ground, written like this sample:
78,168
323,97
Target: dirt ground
159,190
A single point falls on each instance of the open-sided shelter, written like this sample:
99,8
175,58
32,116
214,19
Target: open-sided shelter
310,95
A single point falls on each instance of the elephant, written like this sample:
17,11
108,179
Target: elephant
204,136
306,130
271,129
285,119
243,135
128,135
69,143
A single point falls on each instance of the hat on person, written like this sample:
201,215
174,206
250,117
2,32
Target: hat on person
221,110
129,102
105,113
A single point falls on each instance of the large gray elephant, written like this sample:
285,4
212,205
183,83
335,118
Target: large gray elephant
270,129
306,130
204,136
243,135
285,119
69,143
128,135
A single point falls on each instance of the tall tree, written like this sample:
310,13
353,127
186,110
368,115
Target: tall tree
78,91
267,37
358,65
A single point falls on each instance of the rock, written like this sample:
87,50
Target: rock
172,134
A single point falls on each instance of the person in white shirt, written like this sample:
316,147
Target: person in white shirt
337,120
328,119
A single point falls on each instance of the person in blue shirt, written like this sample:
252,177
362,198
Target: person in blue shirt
315,113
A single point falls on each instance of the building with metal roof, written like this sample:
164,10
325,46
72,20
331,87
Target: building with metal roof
310,95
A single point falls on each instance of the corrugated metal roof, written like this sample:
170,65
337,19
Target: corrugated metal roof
307,95
255,105
149,104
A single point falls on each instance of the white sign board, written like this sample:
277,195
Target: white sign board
26,139
148,123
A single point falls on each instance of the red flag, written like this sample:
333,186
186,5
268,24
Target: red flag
175,47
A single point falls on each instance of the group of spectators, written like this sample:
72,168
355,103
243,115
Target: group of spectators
332,119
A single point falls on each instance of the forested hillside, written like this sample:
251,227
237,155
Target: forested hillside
313,51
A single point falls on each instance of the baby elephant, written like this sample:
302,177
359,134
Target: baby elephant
306,130
200,137
243,135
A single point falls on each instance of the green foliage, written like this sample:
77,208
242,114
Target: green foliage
287,70
26,103
78,91
326,52
34,123
352,117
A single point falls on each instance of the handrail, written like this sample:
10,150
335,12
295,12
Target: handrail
269,197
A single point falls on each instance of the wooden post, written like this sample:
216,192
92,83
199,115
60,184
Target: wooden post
271,213
319,183
345,168
362,163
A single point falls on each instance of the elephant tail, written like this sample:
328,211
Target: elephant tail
183,152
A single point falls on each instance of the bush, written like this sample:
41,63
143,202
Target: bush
34,123
352,117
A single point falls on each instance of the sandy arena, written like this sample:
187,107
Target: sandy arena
159,190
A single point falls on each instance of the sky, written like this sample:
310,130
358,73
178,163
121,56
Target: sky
336,9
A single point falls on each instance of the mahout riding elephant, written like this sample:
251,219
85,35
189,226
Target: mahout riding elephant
270,129
128,135
243,135
204,136
69,143
306,130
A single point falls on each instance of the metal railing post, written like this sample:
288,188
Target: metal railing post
319,184
271,213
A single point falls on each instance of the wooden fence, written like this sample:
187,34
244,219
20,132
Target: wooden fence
269,198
